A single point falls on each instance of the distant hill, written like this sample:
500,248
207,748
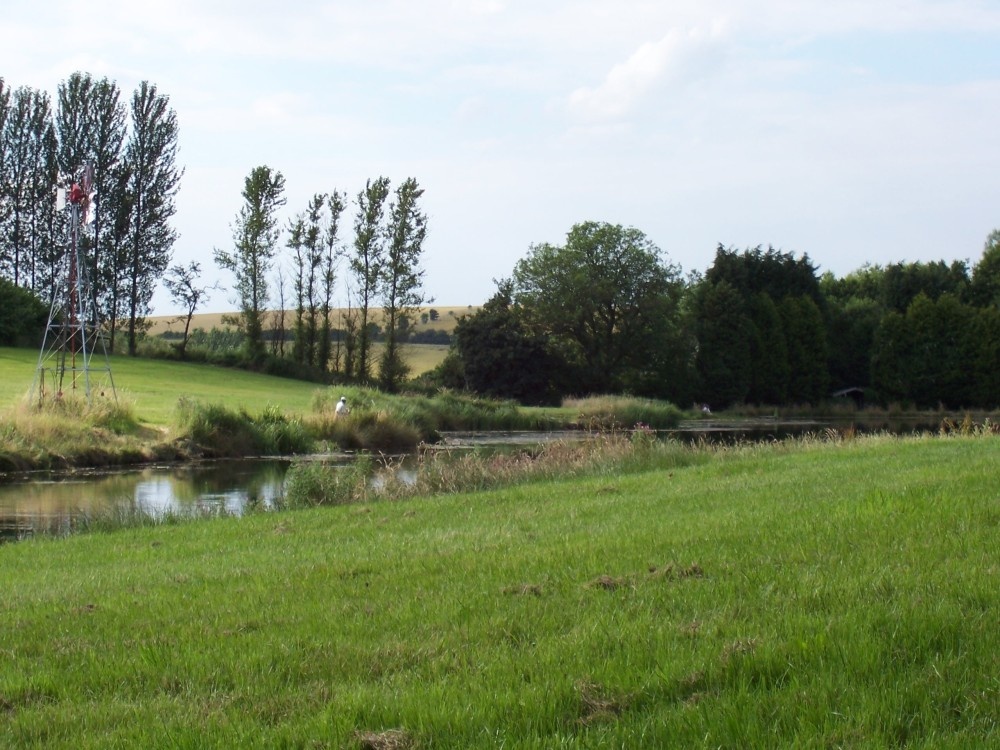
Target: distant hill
447,317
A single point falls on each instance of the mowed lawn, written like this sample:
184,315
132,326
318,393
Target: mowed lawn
155,386
817,595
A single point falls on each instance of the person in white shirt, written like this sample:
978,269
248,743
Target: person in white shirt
342,409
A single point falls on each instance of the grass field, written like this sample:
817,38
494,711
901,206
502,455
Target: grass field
154,387
807,595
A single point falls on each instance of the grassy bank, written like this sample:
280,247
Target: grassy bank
174,410
809,594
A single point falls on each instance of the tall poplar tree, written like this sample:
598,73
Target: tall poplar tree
26,248
305,241
402,277
255,241
366,262
153,180
335,204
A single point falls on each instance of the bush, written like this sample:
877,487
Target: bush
221,432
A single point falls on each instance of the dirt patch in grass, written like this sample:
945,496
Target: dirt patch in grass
596,705
607,583
393,739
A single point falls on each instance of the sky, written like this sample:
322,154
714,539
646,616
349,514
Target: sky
852,131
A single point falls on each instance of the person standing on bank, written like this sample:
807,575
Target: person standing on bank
342,410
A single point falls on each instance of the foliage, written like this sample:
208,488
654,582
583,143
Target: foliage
724,334
805,339
400,287
180,281
500,357
255,237
217,431
604,297
22,315
774,273
365,261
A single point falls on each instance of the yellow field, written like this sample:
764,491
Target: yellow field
420,357
448,316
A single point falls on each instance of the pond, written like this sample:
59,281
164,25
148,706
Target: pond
51,501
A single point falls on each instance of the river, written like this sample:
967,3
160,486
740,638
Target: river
52,501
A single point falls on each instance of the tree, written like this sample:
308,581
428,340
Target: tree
307,257
27,250
154,177
599,296
501,358
903,282
255,238
768,353
724,333
180,282
985,285
315,244
773,273
365,263
108,131
808,358
335,205
22,315
402,277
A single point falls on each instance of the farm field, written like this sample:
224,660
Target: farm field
808,594
448,317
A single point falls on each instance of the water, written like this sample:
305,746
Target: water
52,500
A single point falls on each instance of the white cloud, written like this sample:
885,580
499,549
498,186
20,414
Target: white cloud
678,57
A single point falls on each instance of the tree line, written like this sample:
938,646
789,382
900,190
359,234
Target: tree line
383,272
606,312
131,147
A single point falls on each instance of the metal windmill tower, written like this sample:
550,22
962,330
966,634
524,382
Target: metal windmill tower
73,334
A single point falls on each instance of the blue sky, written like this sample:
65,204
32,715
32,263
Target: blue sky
851,131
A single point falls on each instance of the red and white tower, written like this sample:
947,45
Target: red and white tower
73,334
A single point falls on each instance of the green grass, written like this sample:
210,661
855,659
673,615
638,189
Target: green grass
154,387
800,595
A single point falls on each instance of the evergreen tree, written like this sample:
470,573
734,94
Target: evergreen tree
805,337
768,353
724,332
985,284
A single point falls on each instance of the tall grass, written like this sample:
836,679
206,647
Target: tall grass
217,431
622,412
72,431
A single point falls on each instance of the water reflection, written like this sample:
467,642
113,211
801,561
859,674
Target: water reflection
47,501
39,501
